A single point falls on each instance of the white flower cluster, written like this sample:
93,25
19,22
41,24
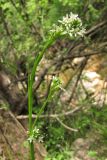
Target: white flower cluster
70,25
34,135
56,83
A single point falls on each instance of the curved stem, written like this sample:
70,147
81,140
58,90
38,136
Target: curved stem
30,92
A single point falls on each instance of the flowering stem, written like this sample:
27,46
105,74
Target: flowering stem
70,26
30,92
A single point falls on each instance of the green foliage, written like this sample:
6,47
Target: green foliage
99,122
92,153
62,155
56,137
91,118
30,21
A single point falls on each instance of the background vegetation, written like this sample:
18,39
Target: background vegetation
73,112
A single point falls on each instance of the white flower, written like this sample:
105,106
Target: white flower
70,25
56,29
55,83
34,135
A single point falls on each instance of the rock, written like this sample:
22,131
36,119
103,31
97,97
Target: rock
81,147
81,143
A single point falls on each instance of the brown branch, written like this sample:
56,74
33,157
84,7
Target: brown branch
54,116
66,127
78,78
93,30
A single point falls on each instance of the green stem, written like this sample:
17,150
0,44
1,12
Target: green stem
30,92
32,153
30,99
30,105
42,109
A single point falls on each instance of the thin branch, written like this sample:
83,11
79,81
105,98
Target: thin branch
78,78
66,127
69,113
99,25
